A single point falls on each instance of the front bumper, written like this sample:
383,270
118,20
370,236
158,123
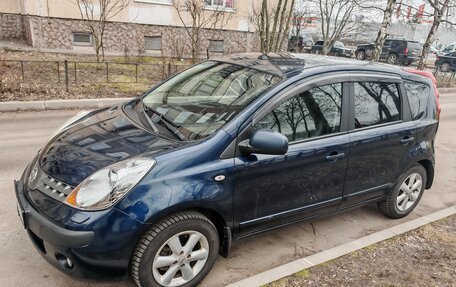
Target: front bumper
99,254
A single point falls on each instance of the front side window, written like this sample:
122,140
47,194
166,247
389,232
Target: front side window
418,95
313,113
376,103
203,98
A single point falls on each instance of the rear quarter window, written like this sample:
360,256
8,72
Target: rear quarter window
418,96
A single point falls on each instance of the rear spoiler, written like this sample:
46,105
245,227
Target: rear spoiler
429,75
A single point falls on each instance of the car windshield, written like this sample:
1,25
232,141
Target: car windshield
338,44
414,45
203,98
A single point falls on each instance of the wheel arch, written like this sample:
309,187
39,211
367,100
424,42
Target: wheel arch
429,167
216,217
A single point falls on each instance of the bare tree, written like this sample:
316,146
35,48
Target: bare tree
200,22
302,17
387,17
272,22
97,13
336,17
440,8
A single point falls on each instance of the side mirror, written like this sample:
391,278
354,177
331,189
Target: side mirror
265,142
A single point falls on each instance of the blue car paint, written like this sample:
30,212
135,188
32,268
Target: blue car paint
183,177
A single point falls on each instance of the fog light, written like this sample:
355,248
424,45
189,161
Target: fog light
64,261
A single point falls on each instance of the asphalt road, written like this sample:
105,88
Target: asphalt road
22,134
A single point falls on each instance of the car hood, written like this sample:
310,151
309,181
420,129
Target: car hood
98,140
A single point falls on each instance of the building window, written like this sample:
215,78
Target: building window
216,46
167,2
152,43
82,39
229,4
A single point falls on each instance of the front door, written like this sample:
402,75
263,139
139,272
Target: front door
271,190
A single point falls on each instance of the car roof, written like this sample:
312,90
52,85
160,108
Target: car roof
287,65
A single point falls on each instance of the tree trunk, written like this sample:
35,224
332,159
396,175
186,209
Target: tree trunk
378,44
274,25
438,13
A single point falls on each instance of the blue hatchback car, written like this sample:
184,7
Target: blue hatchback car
159,186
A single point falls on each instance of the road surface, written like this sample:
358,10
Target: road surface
22,134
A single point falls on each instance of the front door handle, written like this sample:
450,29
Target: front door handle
334,156
406,140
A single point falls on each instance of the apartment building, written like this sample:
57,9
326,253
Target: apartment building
143,27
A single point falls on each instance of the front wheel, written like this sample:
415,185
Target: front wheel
361,55
406,194
178,251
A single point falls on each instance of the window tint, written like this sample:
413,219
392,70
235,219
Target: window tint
376,103
312,113
418,95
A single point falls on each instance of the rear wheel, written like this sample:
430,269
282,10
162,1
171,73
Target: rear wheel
361,55
406,194
178,251
317,52
445,67
392,59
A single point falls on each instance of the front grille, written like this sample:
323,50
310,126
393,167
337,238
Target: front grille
53,187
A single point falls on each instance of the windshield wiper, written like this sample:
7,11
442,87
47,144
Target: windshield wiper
170,125
149,121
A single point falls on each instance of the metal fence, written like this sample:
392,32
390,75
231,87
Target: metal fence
444,79
67,73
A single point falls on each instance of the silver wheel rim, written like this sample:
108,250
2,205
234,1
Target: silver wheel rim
180,259
445,67
392,59
409,192
360,56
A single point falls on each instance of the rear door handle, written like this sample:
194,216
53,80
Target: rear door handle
406,140
334,156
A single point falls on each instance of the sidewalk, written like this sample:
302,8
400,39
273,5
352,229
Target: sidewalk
15,106
299,268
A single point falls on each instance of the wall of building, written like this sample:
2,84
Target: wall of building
153,12
11,27
57,33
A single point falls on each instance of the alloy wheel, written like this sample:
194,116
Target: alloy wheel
180,258
409,192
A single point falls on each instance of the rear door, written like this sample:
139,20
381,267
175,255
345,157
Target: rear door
386,48
381,135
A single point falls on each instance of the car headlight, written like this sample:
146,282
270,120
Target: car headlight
70,122
108,185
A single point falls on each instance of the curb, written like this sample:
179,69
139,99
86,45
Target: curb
16,106
60,104
288,269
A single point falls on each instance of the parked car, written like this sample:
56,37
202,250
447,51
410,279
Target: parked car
300,44
338,49
448,49
394,51
446,63
158,186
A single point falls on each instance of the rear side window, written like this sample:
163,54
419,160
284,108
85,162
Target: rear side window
319,43
376,103
312,113
418,96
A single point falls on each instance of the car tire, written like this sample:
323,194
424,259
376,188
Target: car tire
317,52
162,256
406,193
392,59
445,67
337,54
361,55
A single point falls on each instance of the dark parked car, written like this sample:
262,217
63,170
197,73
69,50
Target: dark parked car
394,51
300,44
158,186
338,49
446,63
